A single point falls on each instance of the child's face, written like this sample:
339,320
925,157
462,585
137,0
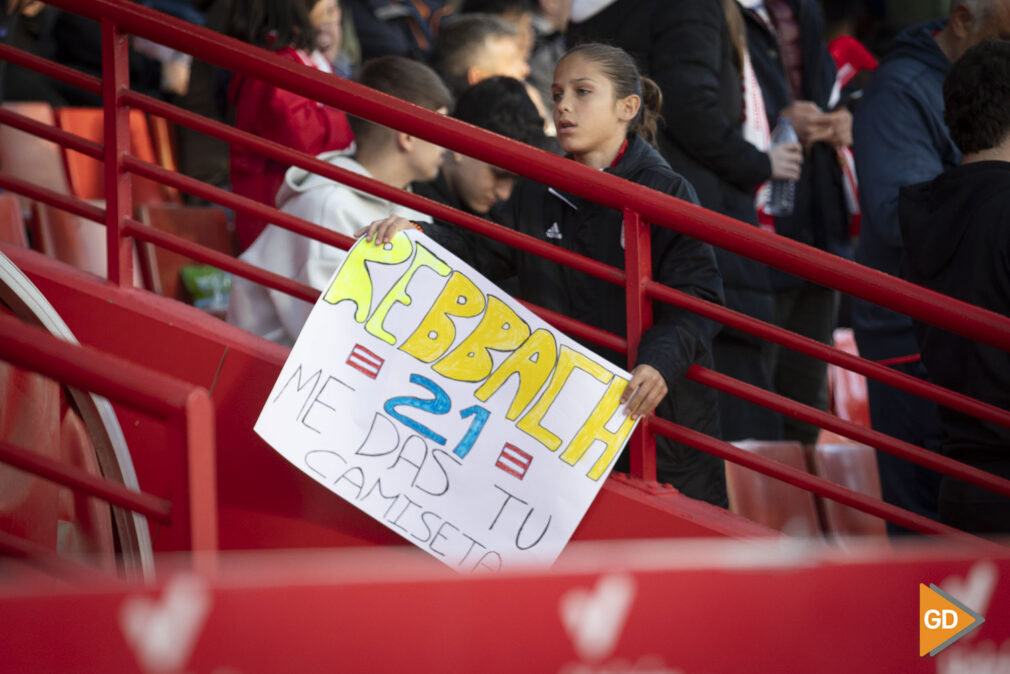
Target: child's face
324,12
325,18
477,184
587,115
425,158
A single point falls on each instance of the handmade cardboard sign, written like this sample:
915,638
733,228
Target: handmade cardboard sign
427,397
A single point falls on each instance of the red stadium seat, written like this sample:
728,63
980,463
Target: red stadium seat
854,466
769,501
207,226
87,175
847,389
31,158
163,135
12,225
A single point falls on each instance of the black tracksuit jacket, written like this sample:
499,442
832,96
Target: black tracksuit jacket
678,338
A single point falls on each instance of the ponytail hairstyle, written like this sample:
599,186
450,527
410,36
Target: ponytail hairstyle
737,32
618,67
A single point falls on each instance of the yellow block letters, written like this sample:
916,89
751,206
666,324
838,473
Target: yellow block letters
500,329
435,334
594,430
354,283
568,361
533,362
398,293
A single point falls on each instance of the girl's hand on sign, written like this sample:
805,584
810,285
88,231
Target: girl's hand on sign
381,232
646,388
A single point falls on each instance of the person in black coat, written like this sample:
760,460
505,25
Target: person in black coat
956,239
694,50
797,78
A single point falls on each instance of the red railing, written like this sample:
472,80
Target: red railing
137,388
638,204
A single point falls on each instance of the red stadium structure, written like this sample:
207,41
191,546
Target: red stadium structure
145,527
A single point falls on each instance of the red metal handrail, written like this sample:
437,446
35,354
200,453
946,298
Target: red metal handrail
728,317
637,203
139,388
659,209
70,476
817,485
75,78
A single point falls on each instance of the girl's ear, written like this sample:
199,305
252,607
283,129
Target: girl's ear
628,107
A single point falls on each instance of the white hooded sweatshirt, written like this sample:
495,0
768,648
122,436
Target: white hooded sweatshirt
276,315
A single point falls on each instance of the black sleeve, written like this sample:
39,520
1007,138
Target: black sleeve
491,258
679,337
686,58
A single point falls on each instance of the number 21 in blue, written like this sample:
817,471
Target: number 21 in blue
440,404
480,416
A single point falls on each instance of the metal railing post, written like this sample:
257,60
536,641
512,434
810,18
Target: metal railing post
638,271
202,480
118,193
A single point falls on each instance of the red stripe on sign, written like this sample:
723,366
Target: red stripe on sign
361,353
516,454
370,373
510,470
514,461
364,361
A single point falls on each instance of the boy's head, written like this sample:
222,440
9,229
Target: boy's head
519,13
976,97
415,83
473,47
499,105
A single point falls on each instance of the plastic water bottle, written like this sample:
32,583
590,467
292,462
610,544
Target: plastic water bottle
783,192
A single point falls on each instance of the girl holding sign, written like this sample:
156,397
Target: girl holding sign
606,113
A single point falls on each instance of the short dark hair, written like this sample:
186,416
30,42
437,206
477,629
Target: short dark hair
501,105
459,41
498,6
976,96
405,78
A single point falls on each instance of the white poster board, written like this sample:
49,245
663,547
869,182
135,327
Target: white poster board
428,398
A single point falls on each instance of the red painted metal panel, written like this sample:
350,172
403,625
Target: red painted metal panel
658,607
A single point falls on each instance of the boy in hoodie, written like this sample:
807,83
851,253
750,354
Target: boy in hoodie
956,233
901,139
390,156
